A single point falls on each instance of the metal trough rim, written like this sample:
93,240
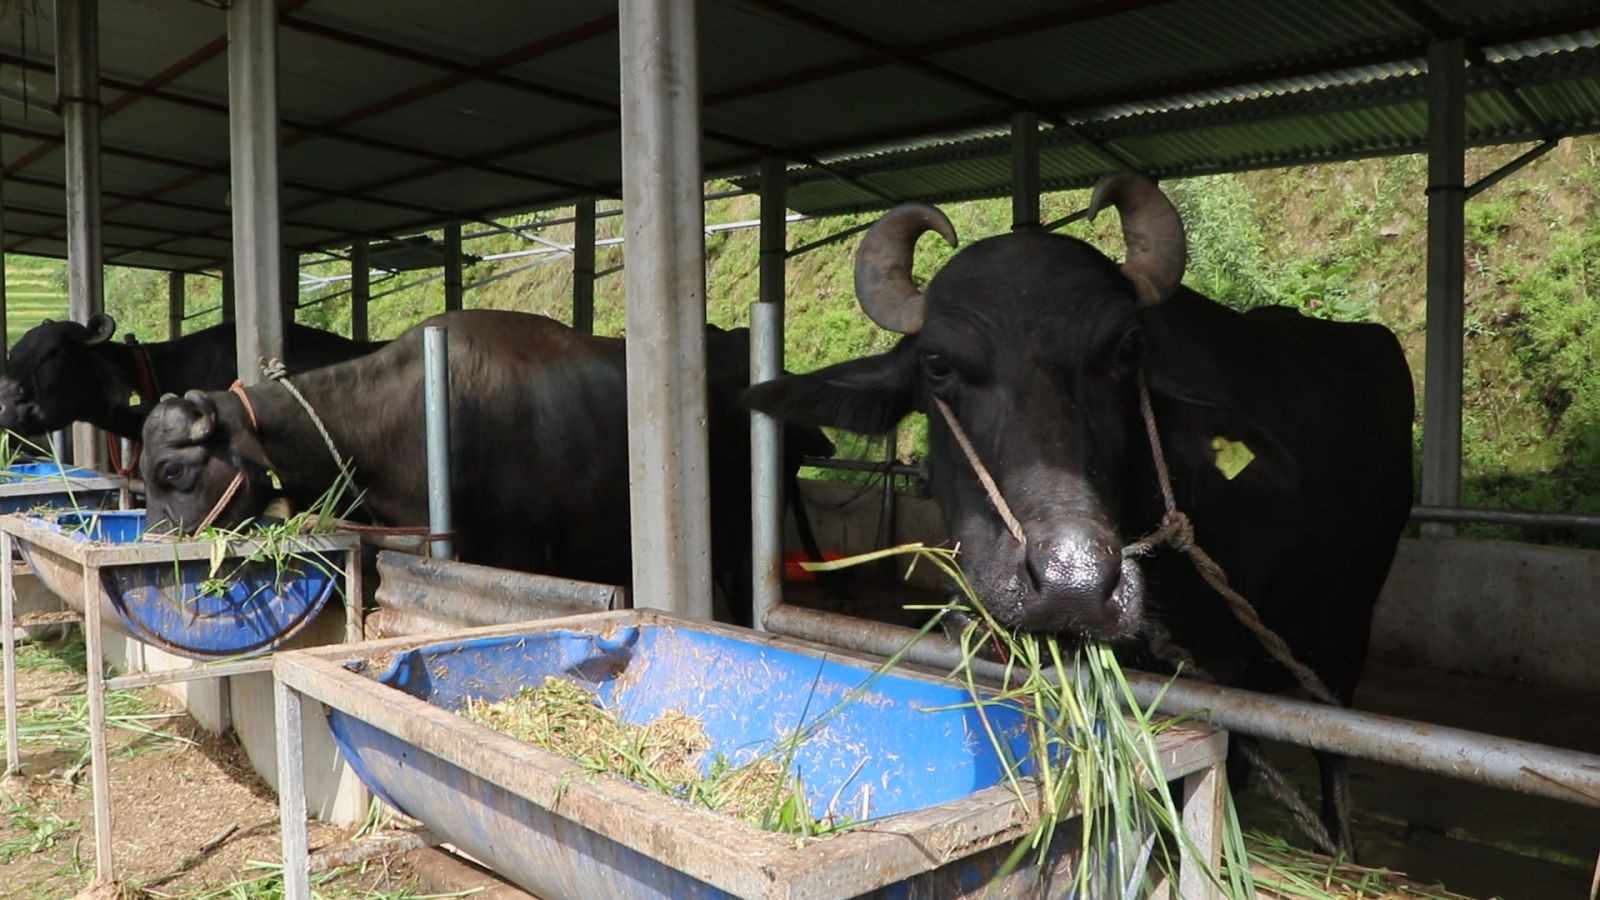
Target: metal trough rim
102,554
716,849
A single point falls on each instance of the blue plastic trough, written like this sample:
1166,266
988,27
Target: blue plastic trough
162,592
908,753
34,486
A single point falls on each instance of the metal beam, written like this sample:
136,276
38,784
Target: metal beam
1441,408
583,219
78,92
766,433
253,134
1024,170
452,266
360,289
664,220
1511,168
175,304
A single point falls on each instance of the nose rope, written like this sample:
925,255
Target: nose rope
984,478
238,476
1175,529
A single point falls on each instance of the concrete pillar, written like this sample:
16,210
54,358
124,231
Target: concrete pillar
253,140
1024,170
583,265
175,304
665,221
360,289
1441,403
766,363
452,266
78,87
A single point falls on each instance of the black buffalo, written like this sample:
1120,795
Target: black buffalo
539,446
1036,343
64,372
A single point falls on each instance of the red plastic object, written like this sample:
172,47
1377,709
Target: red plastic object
791,565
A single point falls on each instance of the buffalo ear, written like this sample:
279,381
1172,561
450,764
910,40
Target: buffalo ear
204,424
867,396
101,327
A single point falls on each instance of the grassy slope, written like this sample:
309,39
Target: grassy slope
1345,241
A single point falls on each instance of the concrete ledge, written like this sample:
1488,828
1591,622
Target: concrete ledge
1497,608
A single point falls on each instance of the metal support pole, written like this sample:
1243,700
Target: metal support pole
766,433
99,765
583,266
360,289
78,90
289,287
291,792
175,304
4,326
452,266
229,307
1024,170
253,142
1446,312
436,406
665,221
8,616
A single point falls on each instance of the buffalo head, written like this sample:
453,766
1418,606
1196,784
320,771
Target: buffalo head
194,447
1034,342
55,377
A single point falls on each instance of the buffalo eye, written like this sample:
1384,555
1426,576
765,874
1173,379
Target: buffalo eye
168,472
1130,352
936,368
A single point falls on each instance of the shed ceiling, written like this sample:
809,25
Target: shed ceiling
399,115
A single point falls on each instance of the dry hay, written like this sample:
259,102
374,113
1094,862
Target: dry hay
666,754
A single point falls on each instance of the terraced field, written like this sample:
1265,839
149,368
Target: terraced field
34,290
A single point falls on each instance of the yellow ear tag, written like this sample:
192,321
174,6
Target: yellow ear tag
133,399
272,476
1232,456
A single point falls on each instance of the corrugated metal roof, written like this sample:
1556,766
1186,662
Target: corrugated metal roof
402,114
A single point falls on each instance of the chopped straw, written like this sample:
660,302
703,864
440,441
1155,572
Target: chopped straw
666,754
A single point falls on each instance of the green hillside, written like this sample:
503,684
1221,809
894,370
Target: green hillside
36,288
1344,241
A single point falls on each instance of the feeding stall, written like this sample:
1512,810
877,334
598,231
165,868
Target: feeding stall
905,750
215,599
28,486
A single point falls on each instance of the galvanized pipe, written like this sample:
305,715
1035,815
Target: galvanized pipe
78,92
766,363
175,304
253,146
360,288
862,465
665,221
1515,765
436,411
1502,517
452,266
1024,170
1441,394
583,265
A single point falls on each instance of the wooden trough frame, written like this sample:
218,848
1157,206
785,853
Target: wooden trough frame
727,855
89,559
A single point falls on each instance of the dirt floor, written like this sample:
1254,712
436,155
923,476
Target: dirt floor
190,818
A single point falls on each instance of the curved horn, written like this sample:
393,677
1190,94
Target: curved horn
1151,231
883,265
206,423
101,327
